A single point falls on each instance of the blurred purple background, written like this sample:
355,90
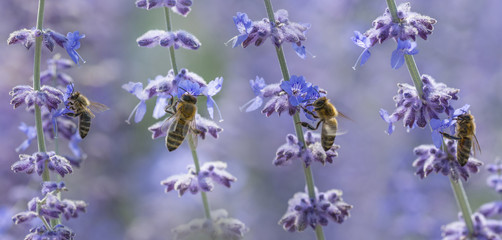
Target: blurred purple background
120,178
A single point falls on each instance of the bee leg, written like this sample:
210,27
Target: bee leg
446,135
310,112
305,124
70,114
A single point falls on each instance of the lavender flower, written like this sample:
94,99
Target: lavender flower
53,71
495,179
23,36
52,186
52,207
59,232
163,38
47,96
410,24
181,7
491,209
303,211
296,88
282,30
403,48
483,229
431,159
24,217
278,102
364,42
72,44
257,86
219,227
292,150
413,109
31,134
210,173
36,162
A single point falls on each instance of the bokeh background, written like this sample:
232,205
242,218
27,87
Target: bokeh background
120,178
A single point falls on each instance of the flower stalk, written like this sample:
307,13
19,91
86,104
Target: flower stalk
36,86
457,187
296,119
193,149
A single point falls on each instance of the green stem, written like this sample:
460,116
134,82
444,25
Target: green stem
463,204
391,4
296,118
36,86
415,74
171,49
205,202
193,148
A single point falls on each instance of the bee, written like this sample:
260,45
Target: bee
326,112
465,133
81,107
183,114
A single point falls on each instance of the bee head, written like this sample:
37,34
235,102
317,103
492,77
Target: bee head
187,97
466,117
320,102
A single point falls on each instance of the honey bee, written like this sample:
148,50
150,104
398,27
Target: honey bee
465,132
81,107
326,112
183,112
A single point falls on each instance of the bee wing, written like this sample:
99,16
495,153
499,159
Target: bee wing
95,107
476,145
194,132
345,116
329,130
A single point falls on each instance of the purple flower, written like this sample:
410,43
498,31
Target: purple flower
403,47
483,229
282,30
212,89
431,159
296,88
163,38
54,65
36,162
59,232
181,7
410,24
439,126
53,207
210,173
189,87
72,44
48,187
292,150
364,42
495,179
140,109
257,85
244,26
24,217
491,209
278,102
303,211
413,109
31,134
219,227
23,36
47,96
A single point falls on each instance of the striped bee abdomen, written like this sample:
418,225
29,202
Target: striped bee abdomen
84,124
463,150
176,137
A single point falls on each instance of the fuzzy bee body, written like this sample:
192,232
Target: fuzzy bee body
326,113
183,112
81,107
465,132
